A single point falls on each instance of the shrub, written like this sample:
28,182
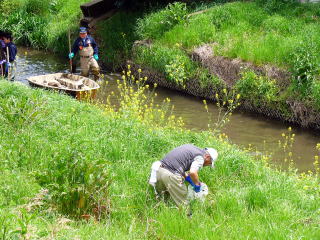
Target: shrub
176,71
256,88
155,24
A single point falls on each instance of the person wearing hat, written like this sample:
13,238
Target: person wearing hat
88,51
181,165
11,53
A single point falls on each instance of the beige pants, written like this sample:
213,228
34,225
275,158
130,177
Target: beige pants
87,63
172,183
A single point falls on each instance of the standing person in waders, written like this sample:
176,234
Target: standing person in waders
88,51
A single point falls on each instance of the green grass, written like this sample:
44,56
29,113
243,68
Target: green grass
117,37
78,150
41,23
243,30
261,33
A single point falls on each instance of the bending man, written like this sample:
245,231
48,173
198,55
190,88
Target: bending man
88,51
180,165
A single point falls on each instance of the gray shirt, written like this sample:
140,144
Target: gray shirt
180,159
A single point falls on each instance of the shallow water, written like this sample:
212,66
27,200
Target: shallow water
243,129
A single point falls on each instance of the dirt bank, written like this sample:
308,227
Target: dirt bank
228,70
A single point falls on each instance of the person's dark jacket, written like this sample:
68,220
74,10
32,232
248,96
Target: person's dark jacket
12,51
85,42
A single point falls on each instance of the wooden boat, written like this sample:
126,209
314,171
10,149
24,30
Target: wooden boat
74,85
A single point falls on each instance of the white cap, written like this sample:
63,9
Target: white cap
213,154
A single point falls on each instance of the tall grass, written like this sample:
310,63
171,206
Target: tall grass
95,160
261,33
117,37
41,24
243,30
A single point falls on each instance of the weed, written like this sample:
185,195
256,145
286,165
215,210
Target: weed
255,88
305,68
176,72
227,102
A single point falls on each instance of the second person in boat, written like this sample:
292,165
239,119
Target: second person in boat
88,51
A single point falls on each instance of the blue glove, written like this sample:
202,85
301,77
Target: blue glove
9,64
71,55
189,180
197,188
96,57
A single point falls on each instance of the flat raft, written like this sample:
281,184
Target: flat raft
77,86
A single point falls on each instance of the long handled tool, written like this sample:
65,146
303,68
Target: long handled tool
1,68
70,60
8,63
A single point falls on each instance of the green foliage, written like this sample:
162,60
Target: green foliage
76,148
175,70
256,198
276,5
256,88
41,24
19,111
162,58
77,182
155,24
16,187
37,7
305,67
117,37
315,93
207,79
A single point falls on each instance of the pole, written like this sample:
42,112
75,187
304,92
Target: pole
70,60
8,62
2,69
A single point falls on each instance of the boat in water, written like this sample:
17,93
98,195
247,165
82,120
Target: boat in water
77,86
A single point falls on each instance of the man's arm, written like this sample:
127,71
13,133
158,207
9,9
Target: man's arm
195,177
196,165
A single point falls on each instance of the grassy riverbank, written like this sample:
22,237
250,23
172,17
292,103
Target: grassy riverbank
41,23
61,159
260,33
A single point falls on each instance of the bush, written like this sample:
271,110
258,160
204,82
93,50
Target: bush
155,24
257,88
175,70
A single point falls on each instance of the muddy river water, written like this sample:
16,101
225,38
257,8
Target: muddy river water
243,129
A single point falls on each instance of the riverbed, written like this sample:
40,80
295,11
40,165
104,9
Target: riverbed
244,129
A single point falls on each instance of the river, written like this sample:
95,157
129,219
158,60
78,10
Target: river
243,129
